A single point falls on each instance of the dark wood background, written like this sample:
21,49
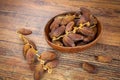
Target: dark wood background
34,14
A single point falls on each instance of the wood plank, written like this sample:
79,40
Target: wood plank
70,70
69,60
34,15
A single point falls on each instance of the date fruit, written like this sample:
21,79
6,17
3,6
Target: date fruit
55,23
81,20
24,31
75,37
86,13
32,43
30,55
93,20
52,64
67,19
68,41
87,31
26,47
88,67
38,72
104,59
69,26
48,55
88,39
58,43
60,30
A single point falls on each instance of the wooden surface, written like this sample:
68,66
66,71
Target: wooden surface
34,14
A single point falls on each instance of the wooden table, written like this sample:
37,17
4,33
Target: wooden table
34,14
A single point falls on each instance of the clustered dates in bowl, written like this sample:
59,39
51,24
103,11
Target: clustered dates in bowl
75,29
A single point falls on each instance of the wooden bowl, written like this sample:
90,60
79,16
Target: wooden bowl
70,49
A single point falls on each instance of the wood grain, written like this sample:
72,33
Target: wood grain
34,14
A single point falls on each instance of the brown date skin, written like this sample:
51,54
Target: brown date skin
38,72
27,40
67,19
24,31
88,67
75,37
69,26
52,64
30,55
104,59
68,41
86,13
87,31
58,43
93,20
77,14
81,20
91,37
48,55
55,23
26,47
60,30
88,39
32,43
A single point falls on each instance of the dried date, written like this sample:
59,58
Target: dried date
55,23
38,73
104,59
69,26
88,67
76,37
48,55
68,41
67,19
30,55
60,30
24,31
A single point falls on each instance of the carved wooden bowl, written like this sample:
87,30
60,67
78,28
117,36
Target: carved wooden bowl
70,49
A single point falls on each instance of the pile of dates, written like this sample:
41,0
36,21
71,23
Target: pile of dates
39,63
75,29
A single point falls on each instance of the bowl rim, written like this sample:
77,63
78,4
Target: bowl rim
88,44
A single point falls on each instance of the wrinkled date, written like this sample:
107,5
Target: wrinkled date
72,30
48,55
88,67
81,20
87,31
24,31
76,37
30,55
32,44
88,39
56,23
60,30
59,43
52,64
104,59
26,47
46,60
86,13
38,73
69,26
68,41
67,19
